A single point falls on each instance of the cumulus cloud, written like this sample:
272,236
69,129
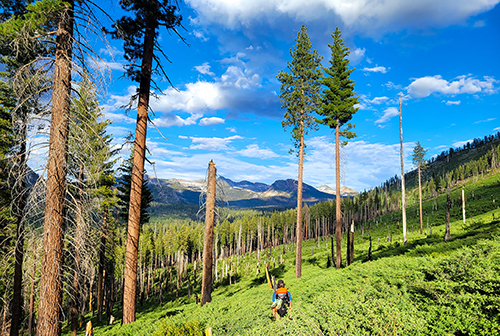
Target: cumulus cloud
388,114
213,144
256,152
231,129
204,69
425,86
357,55
373,17
211,121
169,120
377,68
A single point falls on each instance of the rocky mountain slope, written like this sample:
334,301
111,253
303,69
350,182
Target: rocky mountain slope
244,194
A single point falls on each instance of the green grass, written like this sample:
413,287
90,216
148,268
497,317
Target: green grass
428,287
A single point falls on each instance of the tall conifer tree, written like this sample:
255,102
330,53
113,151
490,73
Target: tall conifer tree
418,158
299,95
140,43
337,109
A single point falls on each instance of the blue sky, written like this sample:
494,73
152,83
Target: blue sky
442,57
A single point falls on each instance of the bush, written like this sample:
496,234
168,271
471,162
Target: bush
188,328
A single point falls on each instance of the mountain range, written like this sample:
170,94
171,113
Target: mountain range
243,194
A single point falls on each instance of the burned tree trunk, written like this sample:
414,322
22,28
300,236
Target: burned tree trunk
206,286
51,289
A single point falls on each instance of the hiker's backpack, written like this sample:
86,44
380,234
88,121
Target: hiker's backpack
282,294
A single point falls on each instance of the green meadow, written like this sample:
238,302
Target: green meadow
428,287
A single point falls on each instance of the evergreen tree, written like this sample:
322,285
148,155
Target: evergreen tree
338,100
90,167
418,158
140,36
299,95
124,190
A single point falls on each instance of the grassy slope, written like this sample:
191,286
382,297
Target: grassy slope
426,287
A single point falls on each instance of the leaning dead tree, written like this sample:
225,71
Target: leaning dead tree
206,285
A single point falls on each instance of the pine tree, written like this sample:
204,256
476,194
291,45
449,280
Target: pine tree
418,158
150,15
338,106
90,165
299,95
124,189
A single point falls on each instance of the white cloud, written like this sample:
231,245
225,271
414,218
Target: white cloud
377,68
256,152
461,143
204,69
200,35
371,17
169,120
213,144
392,86
452,102
425,86
357,55
378,100
480,23
211,121
497,129
388,114
231,129
485,120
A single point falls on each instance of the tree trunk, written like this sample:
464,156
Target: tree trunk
463,205
351,244
447,234
403,197
338,227
298,255
206,286
102,261
17,297
51,287
420,199
32,301
134,219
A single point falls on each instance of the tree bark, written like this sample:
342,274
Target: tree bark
130,286
298,254
51,287
338,227
206,285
